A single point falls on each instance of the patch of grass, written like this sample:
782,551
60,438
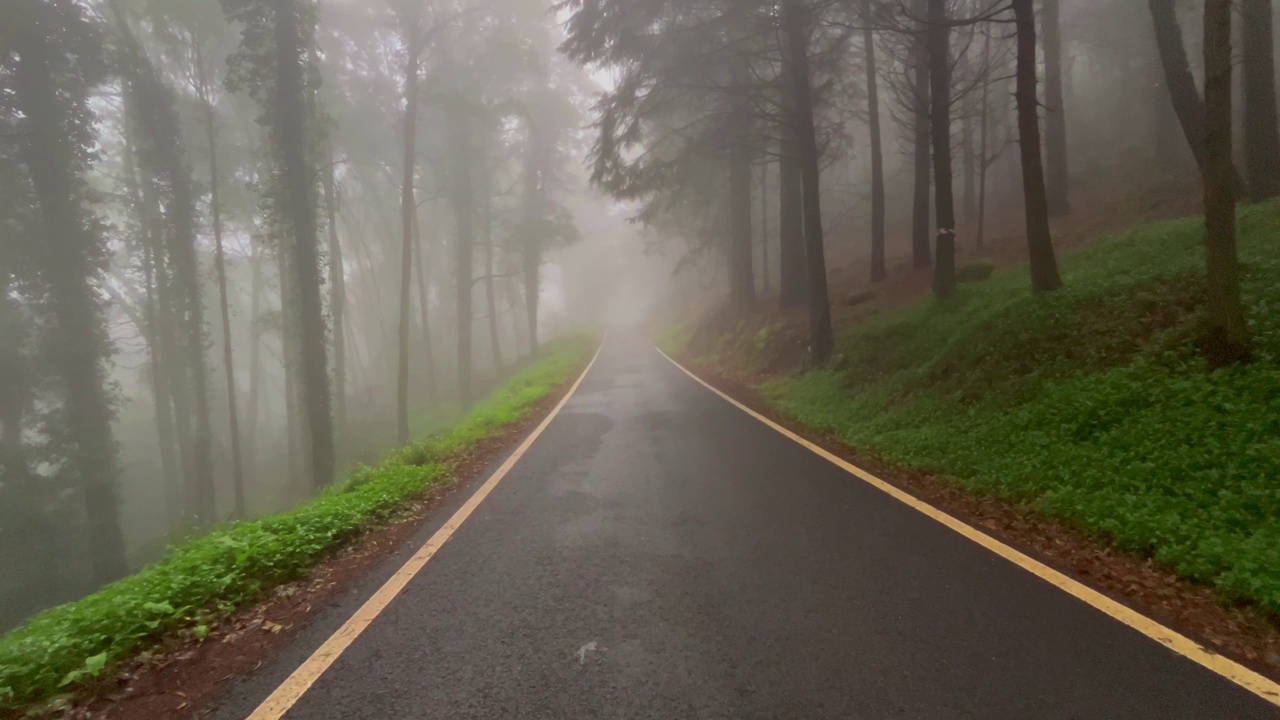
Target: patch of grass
203,580
1089,404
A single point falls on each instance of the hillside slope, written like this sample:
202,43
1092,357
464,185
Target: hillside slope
1089,405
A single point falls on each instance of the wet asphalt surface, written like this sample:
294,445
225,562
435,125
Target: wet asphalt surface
660,554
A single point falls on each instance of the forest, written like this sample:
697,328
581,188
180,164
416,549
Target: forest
249,245
254,253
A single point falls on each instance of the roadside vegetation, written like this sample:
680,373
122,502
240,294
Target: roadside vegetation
1091,404
207,578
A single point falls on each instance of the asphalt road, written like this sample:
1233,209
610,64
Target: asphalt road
659,554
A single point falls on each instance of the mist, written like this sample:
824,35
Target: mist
236,264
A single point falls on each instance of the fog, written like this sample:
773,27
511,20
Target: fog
207,253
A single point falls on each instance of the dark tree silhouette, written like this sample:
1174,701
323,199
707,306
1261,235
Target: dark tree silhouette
1227,338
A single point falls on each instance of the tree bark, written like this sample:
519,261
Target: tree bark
1187,104
532,209
1044,266
1227,340
408,207
1055,122
486,234
878,269
764,226
938,39
1261,135
298,178
337,300
921,250
984,130
464,214
424,307
796,26
742,285
255,356
792,277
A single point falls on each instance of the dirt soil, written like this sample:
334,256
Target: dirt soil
181,677
1242,633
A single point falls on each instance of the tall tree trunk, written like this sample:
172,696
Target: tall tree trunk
793,285
1055,121
66,264
1261,136
464,212
1227,340
796,26
764,225
215,209
255,355
878,269
921,251
290,360
532,201
176,381
984,131
944,273
298,177
486,234
1182,85
742,285
166,447
337,300
424,307
968,169
163,403
408,207
1044,266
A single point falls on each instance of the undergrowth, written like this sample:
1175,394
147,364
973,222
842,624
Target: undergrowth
203,580
1089,404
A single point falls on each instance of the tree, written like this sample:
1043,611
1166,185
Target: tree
921,251
938,43
1056,184
1186,100
1261,136
410,22
1044,266
162,158
277,62
793,285
796,27
878,271
55,59
1227,336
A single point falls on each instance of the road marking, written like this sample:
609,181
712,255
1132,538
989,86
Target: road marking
287,694
1184,646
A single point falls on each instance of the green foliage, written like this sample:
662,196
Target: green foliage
1089,404
207,578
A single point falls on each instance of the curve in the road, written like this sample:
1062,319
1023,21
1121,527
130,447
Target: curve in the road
1179,643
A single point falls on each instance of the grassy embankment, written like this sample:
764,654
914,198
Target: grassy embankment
1089,404
205,579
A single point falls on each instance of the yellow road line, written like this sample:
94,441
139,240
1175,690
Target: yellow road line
1184,646
286,695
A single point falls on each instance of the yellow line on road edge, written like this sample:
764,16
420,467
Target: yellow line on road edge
284,696
1184,646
